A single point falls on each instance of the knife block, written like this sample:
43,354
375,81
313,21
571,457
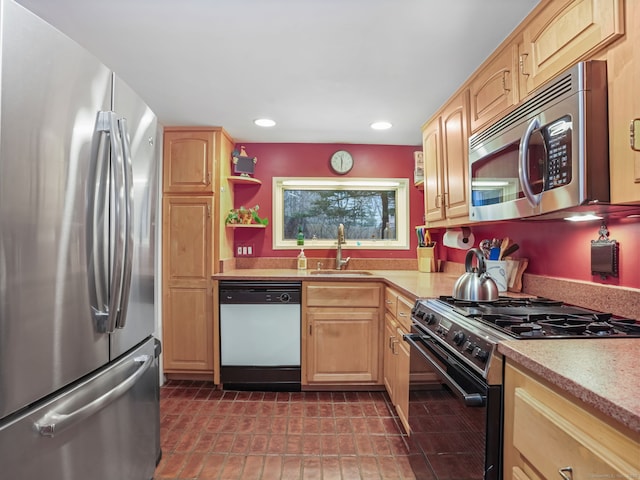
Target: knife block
427,259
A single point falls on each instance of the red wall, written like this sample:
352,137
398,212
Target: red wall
560,248
312,160
555,248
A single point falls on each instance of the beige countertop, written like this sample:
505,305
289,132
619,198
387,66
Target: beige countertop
604,373
412,283
601,372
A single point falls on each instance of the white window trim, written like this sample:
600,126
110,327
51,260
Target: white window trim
401,185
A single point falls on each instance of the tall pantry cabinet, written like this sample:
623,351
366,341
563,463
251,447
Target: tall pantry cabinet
194,241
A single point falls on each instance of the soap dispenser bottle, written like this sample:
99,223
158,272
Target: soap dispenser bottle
302,260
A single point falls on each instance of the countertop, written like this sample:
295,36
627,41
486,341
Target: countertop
601,372
411,283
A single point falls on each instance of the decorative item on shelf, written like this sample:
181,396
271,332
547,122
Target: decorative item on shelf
243,164
604,254
245,216
418,172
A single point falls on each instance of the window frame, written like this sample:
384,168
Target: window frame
399,185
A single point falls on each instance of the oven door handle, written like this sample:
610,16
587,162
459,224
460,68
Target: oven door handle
470,399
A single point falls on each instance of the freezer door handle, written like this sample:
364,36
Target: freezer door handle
128,223
108,124
96,221
56,421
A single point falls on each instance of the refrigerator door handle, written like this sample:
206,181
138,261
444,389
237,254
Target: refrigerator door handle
97,231
54,421
109,125
128,221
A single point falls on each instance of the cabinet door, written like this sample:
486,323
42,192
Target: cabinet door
564,32
389,365
455,154
187,337
189,161
494,88
403,361
623,65
433,195
342,345
186,238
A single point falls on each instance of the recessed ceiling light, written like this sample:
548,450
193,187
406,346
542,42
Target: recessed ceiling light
264,122
381,125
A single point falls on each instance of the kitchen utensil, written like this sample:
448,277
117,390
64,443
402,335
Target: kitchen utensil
506,241
485,246
494,253
509,250
475,285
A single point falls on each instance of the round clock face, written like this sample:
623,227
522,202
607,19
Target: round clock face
341,162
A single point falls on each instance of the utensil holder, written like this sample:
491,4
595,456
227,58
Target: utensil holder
427,259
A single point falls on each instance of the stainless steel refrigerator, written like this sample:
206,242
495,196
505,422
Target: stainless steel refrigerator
79,153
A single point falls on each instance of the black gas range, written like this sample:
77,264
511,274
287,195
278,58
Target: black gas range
473,329
458,341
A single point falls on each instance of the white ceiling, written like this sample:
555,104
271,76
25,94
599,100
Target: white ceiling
323,69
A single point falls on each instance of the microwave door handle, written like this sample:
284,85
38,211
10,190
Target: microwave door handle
523,160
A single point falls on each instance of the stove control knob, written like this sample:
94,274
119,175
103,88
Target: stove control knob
430,318
458,337
469,346
480,354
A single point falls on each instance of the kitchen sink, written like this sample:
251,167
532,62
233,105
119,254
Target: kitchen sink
342,273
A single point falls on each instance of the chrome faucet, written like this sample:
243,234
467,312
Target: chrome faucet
340,262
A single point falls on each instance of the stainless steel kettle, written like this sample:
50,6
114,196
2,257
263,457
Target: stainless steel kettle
475,285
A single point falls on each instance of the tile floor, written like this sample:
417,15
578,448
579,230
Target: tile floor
213,434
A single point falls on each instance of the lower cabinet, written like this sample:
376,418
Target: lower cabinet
341,323
547,435
397,357
188,330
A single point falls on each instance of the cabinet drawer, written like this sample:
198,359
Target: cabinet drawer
404,313
390,300
552,438
344,294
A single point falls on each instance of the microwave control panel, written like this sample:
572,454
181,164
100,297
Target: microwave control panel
558,139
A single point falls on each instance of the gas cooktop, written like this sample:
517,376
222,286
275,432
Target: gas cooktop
543,318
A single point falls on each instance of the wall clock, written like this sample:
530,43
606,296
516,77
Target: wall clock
341,162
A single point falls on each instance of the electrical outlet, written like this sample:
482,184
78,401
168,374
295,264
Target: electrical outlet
244,250
249,249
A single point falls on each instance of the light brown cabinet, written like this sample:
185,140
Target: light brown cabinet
341,325
194,241
189,161
446,160
547,434
397,353
562,33
623,66
187,268
494,88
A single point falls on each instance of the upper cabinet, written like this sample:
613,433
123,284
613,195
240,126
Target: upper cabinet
562,33
446,160
623,67
494,88
189,161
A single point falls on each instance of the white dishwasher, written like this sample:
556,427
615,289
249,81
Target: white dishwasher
260,335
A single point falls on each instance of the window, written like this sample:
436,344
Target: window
375,213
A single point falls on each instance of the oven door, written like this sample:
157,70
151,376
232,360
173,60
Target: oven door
470,388
460,429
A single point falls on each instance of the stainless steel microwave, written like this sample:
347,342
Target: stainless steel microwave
549,154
